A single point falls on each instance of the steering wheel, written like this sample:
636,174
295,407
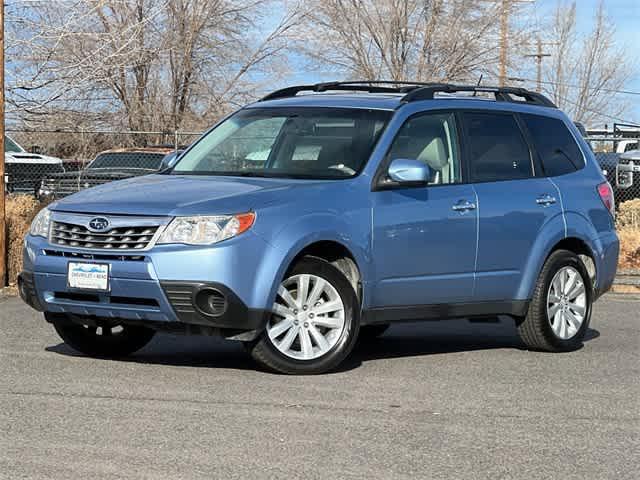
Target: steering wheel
343,168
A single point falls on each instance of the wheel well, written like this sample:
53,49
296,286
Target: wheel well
580,248
336,254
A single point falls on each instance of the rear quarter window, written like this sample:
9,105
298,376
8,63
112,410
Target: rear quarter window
555,145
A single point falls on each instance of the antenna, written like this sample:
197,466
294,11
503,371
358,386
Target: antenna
478,84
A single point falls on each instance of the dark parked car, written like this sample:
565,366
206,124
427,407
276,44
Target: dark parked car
108,166
608,162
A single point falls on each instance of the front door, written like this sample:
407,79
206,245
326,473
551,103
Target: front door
424,239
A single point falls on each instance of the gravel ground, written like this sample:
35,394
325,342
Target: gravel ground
446,400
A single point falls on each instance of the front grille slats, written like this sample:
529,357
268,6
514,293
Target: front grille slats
120,238
115,231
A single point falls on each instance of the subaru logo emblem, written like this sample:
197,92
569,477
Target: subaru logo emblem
98,224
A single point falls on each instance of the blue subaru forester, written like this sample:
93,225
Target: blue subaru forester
324,213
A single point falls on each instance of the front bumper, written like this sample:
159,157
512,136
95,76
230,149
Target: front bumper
167,286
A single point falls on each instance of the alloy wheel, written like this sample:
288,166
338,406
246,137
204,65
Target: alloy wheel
566,302
308,317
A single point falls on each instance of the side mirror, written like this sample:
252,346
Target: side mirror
36,150
409,173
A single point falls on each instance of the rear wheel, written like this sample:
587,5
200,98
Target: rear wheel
314,321
106,338
560,309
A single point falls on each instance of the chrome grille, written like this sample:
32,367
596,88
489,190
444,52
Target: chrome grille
120,238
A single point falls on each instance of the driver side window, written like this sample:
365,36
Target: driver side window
432,139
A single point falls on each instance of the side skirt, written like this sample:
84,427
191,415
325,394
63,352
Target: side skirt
513,308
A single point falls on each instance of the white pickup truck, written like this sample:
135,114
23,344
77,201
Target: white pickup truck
626,146
23,170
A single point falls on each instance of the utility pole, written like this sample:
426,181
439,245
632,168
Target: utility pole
539,56
3,223
505,11
504,35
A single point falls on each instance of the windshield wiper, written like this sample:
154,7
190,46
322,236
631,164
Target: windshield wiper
246,174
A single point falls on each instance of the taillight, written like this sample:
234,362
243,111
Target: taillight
606,195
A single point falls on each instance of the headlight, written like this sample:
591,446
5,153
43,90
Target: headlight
40,224
206,230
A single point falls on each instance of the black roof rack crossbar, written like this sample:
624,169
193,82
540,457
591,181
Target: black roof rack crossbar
414,91
369,86
502,94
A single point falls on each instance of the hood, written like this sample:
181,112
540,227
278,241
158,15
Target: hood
171,195
26,157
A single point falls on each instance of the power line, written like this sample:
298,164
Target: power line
605,115
568,85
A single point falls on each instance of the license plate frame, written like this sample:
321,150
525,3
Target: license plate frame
90,276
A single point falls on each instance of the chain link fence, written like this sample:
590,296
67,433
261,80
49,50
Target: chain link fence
67,161
619,159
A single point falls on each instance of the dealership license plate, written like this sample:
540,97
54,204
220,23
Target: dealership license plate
88,276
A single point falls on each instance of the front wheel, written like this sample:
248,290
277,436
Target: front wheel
104,339
314,321
560,310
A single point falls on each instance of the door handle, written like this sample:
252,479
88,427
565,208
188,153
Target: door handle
545,200
463,206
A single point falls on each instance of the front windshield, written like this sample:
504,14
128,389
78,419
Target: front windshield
287,142
124,160
11,146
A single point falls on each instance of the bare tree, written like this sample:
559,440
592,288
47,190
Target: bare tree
142,64
404,39
586,69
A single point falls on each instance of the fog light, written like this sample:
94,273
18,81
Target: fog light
210,302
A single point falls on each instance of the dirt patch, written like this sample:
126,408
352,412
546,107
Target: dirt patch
632,289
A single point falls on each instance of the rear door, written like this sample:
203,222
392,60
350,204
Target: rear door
515,201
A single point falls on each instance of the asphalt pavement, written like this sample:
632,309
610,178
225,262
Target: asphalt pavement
450,400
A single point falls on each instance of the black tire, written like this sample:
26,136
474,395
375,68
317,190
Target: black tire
266,354
535,329
371,332
123,340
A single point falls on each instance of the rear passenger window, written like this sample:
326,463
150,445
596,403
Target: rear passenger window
497,148
555,145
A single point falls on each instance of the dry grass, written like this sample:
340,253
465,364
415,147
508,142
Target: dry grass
20,210
629,248
628,214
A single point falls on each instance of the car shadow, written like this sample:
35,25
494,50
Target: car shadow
402,340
